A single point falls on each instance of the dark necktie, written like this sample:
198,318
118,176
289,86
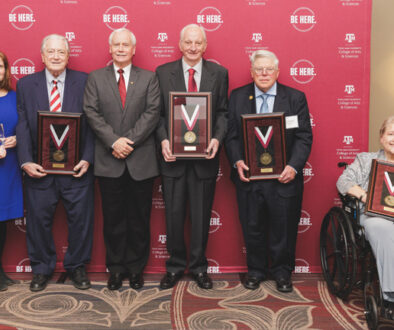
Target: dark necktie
122,87
191,86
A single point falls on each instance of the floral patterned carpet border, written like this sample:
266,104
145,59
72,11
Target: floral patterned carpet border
227,306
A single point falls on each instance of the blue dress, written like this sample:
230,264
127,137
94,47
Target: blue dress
11,195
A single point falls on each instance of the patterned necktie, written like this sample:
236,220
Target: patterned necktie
54,102
122,87
264,105
191,86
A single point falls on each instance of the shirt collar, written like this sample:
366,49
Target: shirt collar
125,69
49,77
271,91
186,67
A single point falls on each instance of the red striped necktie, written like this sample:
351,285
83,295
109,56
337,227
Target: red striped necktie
54,102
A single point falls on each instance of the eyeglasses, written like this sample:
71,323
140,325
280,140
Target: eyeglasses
52,52
268,70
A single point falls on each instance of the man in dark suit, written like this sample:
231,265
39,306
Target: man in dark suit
56,89
122,103
276,203
190,180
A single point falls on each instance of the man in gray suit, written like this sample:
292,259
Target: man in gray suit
190,181
122,104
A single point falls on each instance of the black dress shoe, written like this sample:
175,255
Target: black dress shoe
115,281
80,279
39,282
3,284
136,281
284,284
203,280
3,276
169,280
251,282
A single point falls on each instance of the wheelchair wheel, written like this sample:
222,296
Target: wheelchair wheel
338,253
371,312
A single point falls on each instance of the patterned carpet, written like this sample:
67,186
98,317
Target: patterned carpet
227,306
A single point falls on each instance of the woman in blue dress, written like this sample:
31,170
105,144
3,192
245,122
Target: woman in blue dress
11,196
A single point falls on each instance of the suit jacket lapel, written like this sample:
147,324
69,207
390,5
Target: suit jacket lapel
133,81
42,92
280,100
68,97
250,100
177,78
113,83
207,79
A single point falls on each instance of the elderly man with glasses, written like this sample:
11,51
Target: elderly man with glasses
275,203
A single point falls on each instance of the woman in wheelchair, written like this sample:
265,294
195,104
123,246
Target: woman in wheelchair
378,231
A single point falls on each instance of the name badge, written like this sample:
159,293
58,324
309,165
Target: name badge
291,122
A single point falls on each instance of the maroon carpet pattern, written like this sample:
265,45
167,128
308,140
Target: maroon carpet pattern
227,306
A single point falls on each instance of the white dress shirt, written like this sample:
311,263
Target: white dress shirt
197,74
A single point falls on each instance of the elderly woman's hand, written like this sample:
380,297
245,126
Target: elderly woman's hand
3,152
10,142
358,192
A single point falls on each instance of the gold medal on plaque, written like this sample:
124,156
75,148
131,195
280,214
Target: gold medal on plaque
266,158
389,200
58,155
190,137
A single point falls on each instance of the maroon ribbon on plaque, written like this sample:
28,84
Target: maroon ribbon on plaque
59,142
264,139
190,122
388,183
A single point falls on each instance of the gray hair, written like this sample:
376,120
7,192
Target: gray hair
55,36
388,121
264,54
194,26
132,36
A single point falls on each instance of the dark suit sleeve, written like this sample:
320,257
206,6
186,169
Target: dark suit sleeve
233,141
23,137
97,122
149,119
220,128
302,140
161,131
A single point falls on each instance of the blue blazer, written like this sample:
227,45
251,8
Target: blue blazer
32,96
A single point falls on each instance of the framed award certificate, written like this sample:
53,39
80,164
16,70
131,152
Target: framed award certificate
380,198
58,141
264,144
190,124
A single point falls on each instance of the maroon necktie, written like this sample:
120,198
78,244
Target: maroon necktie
122,87
191,86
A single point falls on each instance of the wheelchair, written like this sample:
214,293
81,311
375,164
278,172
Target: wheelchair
347,260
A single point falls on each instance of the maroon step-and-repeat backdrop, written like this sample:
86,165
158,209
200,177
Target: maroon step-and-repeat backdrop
323,48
